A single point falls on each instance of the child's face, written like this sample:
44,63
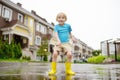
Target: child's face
61,19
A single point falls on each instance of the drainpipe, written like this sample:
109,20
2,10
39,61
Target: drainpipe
115,51
9,35
9,38
108,53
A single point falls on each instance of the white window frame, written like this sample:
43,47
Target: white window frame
43,29
38,27
0,9
21,20
26,21
38,42
6,16
31,22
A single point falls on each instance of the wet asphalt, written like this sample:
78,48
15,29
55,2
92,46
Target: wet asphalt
38,71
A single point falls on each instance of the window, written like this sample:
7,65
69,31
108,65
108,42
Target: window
38,40
31,22
38,27
7,13
43,29
20,17
26,21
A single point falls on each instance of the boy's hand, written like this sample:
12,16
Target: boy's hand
74,40
59,43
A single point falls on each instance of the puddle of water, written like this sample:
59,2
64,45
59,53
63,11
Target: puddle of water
22,77
35,71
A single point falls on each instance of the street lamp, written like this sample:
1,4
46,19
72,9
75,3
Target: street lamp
45,55
45,50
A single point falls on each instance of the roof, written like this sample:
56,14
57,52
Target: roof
10,25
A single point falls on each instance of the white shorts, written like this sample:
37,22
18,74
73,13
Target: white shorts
64,46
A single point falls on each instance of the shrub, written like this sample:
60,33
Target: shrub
113,57
45,58
26,58
96,59
118,57
8,51
17,51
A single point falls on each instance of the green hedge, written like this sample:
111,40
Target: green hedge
8,51
96,59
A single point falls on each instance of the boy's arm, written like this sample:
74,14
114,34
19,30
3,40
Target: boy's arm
58,40
73,39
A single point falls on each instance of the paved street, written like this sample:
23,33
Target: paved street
38,71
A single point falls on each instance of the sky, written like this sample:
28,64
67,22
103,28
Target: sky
92,21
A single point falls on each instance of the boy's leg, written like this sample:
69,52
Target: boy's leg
69,58
68,64
54,56
68,49
53,63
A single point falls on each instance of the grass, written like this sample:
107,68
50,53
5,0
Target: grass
19,60
13,60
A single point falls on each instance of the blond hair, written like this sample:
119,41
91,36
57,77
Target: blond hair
61,14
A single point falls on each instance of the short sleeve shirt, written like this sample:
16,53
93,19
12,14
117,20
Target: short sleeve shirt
63,32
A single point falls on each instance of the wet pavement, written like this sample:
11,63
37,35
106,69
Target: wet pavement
38,71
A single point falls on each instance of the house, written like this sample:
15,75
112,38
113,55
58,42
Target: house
81,50
29,29
111,47
23,26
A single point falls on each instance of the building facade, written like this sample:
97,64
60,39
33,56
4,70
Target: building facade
110,47
29,29
81,50
26,28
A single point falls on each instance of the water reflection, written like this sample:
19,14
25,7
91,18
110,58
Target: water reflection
23,77
66,77
69,77
108,73
38,72
36,77
52,77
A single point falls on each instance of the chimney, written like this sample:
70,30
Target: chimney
19,4
33,12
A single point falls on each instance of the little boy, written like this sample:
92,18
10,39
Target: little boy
63,36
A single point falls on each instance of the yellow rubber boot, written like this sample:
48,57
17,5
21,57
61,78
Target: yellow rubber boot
68,69
53,69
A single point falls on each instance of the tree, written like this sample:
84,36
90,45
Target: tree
96,52
43,50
